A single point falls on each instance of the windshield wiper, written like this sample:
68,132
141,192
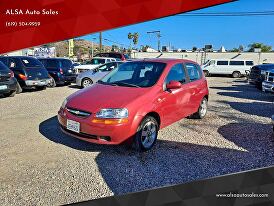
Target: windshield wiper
125,84
106,83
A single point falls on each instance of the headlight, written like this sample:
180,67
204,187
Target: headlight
112,113
64,104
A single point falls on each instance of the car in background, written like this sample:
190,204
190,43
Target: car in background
268,83
234,67
257,74
134,101
29,71
116,55
60,69
93,63
90,77
8,83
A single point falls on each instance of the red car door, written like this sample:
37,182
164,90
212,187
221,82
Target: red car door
197,85
174,104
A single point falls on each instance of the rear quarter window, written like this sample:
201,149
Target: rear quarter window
249,63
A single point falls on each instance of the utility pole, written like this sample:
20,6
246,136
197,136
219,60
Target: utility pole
158,35
100,44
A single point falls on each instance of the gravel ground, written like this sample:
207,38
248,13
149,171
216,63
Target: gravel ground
41,166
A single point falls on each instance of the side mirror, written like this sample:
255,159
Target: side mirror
174,85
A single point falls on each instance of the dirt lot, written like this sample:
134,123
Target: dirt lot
41,166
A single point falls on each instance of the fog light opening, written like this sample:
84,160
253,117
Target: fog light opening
105,138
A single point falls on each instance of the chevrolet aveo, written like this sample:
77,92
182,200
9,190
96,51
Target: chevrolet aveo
134,101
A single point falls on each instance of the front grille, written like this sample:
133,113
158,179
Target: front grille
78,113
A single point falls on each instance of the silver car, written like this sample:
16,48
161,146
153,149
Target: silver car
90,77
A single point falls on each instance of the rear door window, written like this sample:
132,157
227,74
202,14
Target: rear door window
222,63
194,72
66,63
52,63
237,63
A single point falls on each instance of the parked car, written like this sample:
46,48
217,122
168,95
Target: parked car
234,67
93,63
90,77
8,83
268,83
134,101
116,55
29,72
257,74
60,69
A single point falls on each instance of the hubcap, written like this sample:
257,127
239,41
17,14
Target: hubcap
86,83
148,134
203,108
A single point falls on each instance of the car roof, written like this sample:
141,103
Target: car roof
103,58
58,58
18,57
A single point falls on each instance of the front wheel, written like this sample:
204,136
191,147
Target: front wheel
86,82
236,74
146,134
52,83
202,111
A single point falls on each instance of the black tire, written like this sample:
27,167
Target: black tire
200,114
18,88
206,73
84,83
138,141
52,83
236,74
10,94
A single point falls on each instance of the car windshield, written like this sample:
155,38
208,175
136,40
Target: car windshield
31,62
96,61
134,74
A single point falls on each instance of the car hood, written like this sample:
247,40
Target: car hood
99,96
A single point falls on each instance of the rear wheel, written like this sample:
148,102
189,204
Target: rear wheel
86,82
236,74
202,111
146,134
18,88
52,83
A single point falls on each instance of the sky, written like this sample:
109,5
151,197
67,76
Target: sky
229,32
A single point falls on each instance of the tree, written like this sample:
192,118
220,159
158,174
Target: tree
234,50
194,49
263,47
134,37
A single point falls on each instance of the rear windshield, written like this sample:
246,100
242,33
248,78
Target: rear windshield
3,67
31,62
66,63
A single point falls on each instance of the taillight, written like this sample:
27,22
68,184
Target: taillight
11,74
61,71
23,77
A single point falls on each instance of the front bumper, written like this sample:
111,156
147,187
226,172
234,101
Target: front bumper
268,86
94,132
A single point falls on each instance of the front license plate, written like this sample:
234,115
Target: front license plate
3,87
73,126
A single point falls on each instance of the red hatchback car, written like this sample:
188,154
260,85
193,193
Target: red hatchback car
134,101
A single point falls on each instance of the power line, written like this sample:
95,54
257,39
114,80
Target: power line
253,13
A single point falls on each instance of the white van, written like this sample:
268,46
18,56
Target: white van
234,67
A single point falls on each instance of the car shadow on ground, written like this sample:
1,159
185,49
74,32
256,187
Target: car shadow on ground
244,91
170,162
74,86
253,108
